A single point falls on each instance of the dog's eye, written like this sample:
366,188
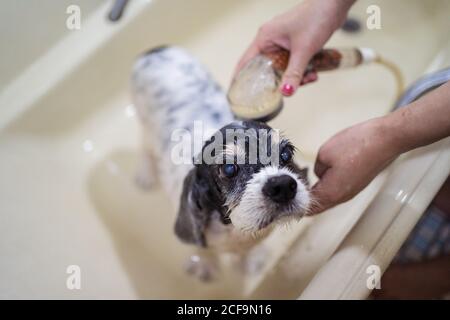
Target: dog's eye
230,170
286,155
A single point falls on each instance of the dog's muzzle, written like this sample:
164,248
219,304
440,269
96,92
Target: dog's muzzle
280,189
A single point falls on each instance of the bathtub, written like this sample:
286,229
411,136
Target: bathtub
69,141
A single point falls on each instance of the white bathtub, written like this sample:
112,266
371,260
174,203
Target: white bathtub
69,142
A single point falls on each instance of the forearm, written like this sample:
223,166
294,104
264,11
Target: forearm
422,122
342,6
337,9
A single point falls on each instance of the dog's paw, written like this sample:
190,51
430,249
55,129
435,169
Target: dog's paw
145,180
145,177
203,269
255,261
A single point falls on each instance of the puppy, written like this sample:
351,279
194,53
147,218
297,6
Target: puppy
240,182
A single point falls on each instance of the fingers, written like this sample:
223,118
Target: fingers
310,76
319,194
319,168
251,52
326,193
293,75
319,202
330,190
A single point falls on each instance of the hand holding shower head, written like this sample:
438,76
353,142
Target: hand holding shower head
254,93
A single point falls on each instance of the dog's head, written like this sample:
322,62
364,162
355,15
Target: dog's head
245,173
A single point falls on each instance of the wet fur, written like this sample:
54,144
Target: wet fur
171,90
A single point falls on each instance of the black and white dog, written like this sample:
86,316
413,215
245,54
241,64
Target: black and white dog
229,198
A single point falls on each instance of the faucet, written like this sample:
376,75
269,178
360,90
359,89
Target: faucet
117,10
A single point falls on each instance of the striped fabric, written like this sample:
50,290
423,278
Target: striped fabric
430,238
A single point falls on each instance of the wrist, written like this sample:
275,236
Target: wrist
332,12
338,9
392,128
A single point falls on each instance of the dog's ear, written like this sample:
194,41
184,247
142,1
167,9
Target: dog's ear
304,175
192,215
302,172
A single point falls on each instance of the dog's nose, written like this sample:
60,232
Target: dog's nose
280,189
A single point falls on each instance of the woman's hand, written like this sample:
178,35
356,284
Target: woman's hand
303,31
350,160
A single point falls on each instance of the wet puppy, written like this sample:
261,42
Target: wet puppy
240,180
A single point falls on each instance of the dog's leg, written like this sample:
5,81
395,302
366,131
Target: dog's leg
253,261
146,175
203,265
